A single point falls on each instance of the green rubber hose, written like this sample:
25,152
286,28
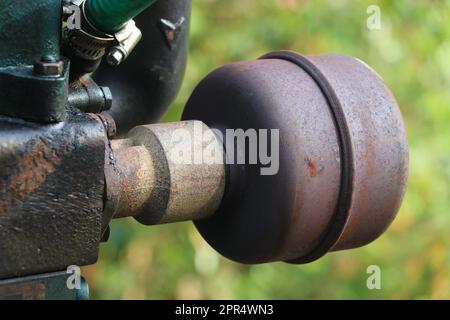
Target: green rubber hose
110,16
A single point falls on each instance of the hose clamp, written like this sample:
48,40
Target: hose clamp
89,43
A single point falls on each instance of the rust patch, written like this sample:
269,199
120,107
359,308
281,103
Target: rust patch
314,167
32,171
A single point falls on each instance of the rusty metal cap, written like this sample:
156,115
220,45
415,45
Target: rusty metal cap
343,156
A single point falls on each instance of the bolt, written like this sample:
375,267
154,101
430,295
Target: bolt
48,65
115,57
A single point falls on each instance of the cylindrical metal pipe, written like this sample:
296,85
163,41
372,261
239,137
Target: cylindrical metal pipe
110,16
167,173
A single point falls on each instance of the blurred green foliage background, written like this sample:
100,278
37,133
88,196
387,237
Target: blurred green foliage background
412,53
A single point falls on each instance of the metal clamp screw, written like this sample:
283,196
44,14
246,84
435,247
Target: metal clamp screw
127,40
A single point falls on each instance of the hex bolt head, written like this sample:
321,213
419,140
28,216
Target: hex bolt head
115,57
49,66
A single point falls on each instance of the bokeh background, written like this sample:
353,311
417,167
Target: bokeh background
412,53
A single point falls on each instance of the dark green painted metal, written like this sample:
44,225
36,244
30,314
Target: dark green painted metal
28,31
111,15
28,96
